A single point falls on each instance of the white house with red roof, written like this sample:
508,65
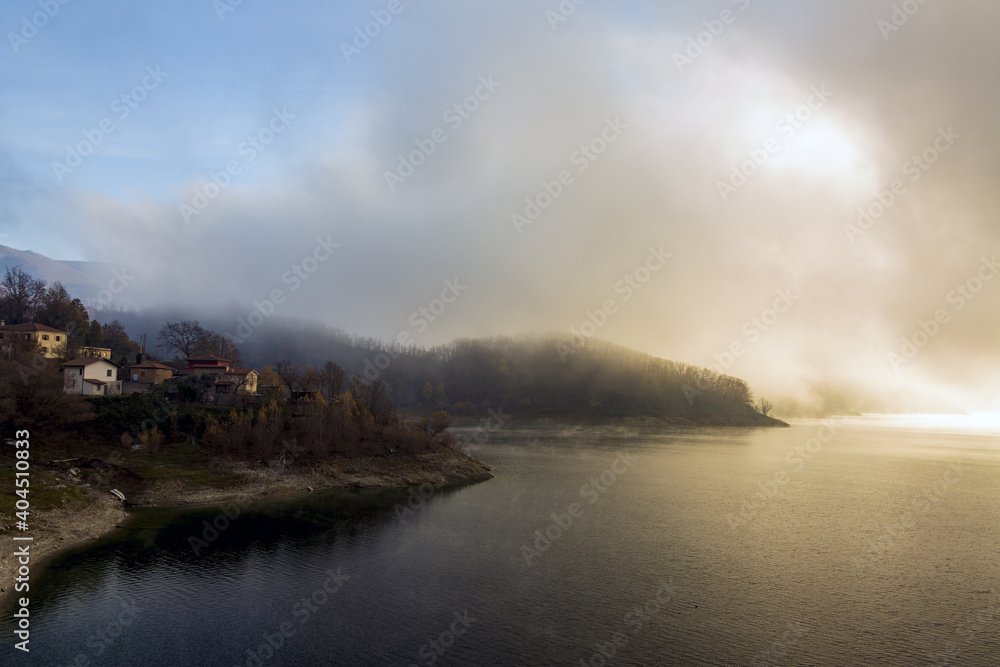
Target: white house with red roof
91,376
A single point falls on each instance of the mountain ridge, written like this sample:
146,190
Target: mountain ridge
83,280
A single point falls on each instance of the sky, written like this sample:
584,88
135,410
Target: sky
800,194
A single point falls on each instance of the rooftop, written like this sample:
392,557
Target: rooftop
87,361
32,326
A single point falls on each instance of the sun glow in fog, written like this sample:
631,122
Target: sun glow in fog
784,130
825,148
819,145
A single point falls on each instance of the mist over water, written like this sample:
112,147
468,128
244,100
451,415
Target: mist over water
858,541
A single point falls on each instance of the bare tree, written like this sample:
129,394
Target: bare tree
20,295
371,404
220,346
332,377
310,380
288,374
436,423
269,377
185,337
764,406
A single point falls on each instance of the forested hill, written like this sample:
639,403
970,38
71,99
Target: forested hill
529,375
533,375
551,376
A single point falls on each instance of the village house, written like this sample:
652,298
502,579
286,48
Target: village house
241,380
91,376
99,352
151,372
228,380
51,342
207,363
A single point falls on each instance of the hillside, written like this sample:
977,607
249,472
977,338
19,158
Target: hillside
47,269
533,375
84,280
550,375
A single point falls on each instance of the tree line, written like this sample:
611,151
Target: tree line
524,374
188,338
529,374
24,299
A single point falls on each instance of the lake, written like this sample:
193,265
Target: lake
864,541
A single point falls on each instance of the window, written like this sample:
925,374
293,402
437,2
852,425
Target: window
109,373
45,336
58,338
142,373
81,371
45,349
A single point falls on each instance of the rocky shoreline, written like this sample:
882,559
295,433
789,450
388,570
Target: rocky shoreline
258,483
76,524
57,530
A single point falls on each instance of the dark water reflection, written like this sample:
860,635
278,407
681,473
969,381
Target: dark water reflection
661,568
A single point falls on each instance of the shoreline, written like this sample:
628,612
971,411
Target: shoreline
60,530
255,483
57,531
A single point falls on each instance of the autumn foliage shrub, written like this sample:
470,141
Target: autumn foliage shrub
315,429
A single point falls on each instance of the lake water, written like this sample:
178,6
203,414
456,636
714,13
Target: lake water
874,543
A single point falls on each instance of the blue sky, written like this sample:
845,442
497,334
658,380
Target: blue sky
691,123
223,78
